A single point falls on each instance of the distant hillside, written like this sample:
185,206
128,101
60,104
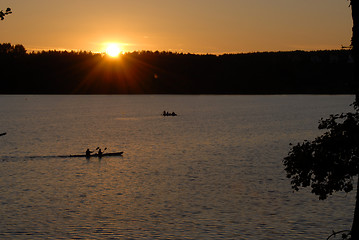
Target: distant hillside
61,72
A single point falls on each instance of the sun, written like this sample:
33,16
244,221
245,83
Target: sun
113,50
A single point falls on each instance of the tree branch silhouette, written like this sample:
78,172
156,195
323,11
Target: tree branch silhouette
330,163
355,43
3,14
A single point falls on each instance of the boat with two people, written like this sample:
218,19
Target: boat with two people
168,114
99,153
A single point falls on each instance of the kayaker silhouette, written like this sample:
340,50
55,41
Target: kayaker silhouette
88,153
99,152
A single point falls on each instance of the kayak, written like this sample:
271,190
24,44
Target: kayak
2,134
96,154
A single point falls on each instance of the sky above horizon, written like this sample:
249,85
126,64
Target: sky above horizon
189,26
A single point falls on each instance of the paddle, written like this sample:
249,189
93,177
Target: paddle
101,150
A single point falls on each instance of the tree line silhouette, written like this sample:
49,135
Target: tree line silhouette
147,72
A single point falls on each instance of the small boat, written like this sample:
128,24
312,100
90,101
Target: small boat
169,114
2,134
96,154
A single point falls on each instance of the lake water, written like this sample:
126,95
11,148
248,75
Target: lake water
213,172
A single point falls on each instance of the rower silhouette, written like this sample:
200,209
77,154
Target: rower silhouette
88,153
100,152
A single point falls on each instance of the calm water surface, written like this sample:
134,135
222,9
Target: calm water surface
213,172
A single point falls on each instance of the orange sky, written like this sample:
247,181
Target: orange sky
195,26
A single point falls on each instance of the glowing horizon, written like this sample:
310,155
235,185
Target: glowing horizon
229,26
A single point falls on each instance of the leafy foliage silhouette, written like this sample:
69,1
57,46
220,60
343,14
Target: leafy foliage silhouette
3,14
331,162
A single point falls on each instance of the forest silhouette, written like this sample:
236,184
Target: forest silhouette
147,72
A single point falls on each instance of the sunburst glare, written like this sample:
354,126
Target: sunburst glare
113,50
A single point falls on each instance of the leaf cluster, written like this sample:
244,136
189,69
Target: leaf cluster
3,14
330,162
